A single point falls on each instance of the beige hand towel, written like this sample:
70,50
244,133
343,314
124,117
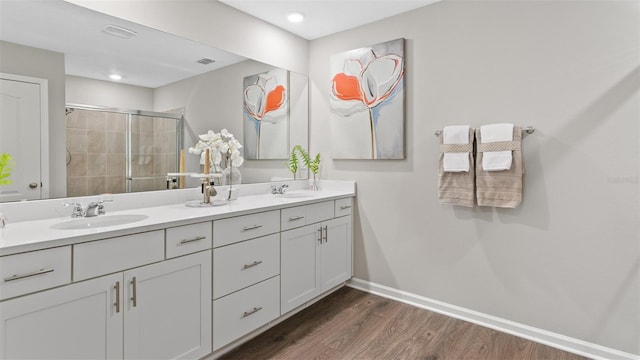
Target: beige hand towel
456,188
500,188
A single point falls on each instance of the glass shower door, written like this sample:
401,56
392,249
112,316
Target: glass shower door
153,146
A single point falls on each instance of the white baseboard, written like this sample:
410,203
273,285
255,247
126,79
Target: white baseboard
558,341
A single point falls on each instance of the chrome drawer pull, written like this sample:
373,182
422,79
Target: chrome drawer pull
134,298
345,207
34,273
251,227
248,313
197,238
296,218
255,263
117,304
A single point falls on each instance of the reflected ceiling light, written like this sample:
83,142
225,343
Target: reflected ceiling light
119,31
115,77
295,17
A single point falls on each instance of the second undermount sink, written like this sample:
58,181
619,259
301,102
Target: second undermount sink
297,194
98,221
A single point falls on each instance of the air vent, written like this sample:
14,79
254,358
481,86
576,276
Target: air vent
118,31
205,61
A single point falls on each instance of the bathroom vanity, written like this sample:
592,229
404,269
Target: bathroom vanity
170,281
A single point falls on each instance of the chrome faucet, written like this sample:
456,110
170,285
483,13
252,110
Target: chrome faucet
279,189
94,208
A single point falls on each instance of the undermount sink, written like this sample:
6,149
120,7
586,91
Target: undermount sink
98,222
296,194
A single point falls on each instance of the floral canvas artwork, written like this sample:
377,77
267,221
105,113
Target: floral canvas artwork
266,115
367,102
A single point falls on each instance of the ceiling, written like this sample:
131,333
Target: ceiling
150,59
324,17
145,59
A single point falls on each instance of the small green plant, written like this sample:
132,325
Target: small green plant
311,164
5,168
293,162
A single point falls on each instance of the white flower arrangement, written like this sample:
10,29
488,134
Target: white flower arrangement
221,146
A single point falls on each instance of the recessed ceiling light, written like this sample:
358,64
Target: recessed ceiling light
115,77
119,31
295,17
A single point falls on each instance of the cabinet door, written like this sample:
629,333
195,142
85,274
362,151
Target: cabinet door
299,274
335,252
78,321
168,309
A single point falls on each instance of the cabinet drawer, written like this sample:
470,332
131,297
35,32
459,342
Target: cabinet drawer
24,273
319,212
232,230
343,207
240,265
293,217
240,313
110,255
182,240
307,214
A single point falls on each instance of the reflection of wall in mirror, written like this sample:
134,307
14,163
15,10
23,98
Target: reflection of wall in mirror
38,63
266,115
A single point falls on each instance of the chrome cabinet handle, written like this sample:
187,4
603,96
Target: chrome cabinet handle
345,207
117,303
251,227
34,273
248,313
248,266
320,235
197,238
326,230
134,297
294,218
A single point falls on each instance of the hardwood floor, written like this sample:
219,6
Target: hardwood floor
351,324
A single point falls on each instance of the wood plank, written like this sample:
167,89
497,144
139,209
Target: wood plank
351,324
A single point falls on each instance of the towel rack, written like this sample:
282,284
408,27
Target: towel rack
528,130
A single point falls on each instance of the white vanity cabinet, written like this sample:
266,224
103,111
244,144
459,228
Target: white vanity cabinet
135,304
315,258
79,321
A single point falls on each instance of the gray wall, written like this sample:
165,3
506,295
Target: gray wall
85,91
27,61
567,260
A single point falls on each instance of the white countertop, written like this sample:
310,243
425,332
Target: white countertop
33,235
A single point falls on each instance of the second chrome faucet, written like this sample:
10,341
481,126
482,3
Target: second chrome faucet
93,208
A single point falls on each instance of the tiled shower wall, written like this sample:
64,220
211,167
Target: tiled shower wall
96,158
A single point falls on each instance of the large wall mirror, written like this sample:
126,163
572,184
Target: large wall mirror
96,133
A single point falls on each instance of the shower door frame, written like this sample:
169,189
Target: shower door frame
130,113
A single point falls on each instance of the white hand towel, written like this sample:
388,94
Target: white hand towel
496,160
455,162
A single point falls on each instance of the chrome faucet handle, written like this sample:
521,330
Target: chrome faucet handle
279,189
101,210
77,209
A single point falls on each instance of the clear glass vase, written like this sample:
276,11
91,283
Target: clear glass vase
314,183
231,176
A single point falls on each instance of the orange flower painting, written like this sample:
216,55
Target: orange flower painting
266,115
367,102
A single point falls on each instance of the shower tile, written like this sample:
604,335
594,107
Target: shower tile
97,185
97,164
115,142
96,141
115,184
169,141
76,120
116,165
76,140
96,120
77,186
78,165
115,121
145,124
